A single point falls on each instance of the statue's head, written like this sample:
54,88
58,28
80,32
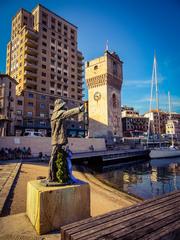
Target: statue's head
58,104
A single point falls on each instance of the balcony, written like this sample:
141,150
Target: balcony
80,71
81,95
1,107
30,57
80,87
30,66
29,73
80,64
31,43
31,51
80,56
31,34
31,86
30,80
80,77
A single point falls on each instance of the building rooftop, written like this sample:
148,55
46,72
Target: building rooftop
40,5
6,75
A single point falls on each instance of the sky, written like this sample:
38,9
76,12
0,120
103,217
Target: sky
134,30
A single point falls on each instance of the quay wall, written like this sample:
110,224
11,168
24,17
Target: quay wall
43,144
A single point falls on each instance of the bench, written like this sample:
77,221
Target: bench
154,219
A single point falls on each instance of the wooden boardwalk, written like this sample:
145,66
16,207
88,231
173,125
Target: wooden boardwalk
154,219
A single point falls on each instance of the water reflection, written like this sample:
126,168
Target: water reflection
144,179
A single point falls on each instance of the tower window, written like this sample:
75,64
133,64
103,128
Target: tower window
114,100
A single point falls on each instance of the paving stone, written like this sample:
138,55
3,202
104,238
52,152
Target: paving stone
8,174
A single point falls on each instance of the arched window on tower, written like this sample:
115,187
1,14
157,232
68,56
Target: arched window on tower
114,100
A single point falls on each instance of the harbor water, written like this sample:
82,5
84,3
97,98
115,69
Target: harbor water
144,179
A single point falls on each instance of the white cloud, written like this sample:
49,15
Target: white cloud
141,83
143,103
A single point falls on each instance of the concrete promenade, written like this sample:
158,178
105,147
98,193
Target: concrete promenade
16,225
8,173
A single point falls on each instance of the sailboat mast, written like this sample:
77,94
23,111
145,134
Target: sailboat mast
150,105
169,104
170,117
157,96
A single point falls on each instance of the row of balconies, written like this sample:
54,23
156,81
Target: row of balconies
31,51
32,35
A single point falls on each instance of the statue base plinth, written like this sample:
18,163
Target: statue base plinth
50,207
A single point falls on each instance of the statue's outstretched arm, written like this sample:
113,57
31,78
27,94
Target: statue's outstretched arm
71,112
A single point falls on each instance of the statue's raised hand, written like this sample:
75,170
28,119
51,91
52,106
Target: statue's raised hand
82,108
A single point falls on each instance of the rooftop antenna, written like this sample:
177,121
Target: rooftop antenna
107,46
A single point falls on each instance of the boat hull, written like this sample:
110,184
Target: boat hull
164,153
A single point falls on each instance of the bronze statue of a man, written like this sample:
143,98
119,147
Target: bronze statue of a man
59,137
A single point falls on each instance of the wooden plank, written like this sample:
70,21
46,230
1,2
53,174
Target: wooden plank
167,231
128,227
153,227
143,208
133,221
83,224
105,224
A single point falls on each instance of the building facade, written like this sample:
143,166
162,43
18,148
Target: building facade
158,120
43,57
173,127
104,80
162,118
128,112
134,125
7,105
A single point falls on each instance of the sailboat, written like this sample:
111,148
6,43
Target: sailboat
160,152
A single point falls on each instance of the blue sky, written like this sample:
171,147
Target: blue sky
134,28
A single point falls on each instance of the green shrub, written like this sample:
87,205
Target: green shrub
62,175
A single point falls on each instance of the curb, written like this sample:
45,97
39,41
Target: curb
8,186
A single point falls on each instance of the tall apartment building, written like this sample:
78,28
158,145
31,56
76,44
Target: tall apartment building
43,57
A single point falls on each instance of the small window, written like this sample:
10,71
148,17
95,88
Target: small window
19,112
42,105
42,115
95,67
30,104
44,44
42,123
43,97
31,95
44,51
19,102
29,114
43,74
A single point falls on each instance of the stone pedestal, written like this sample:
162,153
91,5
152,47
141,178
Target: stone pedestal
49,208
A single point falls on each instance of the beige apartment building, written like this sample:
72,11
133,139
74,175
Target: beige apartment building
164,118
173,127
133,124
104,80
43,57
158,120
7,104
